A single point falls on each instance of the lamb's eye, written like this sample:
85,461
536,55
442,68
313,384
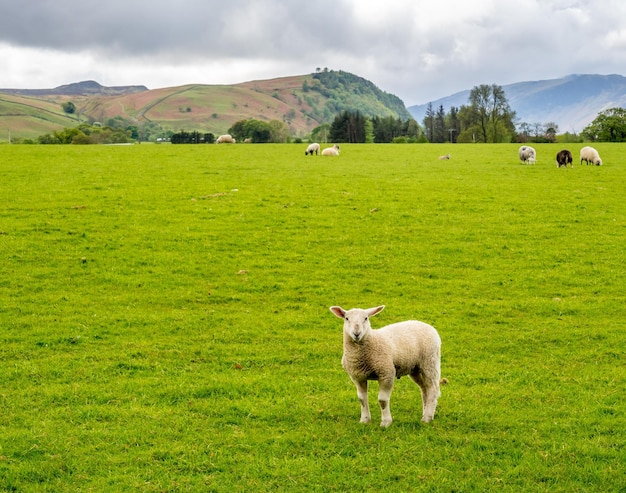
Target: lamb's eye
366,319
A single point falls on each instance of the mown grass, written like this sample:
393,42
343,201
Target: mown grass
165,322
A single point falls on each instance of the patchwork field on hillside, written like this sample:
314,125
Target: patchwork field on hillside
165,322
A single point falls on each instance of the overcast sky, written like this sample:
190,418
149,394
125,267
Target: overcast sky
419,50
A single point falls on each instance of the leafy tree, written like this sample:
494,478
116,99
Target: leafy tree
260,132
387,128
491,117
468,116
429,122
369,131
69,107
255,130
453,124
86,134
321,133
609,126
279,132
237,130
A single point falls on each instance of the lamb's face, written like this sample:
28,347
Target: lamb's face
356,323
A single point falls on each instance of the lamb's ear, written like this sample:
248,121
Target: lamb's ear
338,311
373,311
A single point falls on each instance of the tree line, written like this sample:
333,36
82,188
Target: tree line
194,137
487,118
354,127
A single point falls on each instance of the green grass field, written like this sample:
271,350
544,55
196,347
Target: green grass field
165,324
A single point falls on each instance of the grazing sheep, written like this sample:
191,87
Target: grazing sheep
527,155
444,157
312,149
406,348
590,155
563,158
331,151
225,139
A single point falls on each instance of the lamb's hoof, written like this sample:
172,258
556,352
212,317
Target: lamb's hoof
427,419
385,424
365,421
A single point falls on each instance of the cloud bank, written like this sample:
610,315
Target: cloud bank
418,50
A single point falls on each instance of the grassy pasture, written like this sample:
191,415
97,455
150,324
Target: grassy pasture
165,325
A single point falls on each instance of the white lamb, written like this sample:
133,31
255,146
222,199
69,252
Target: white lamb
590,155
312,149
527,155
331,151
406,348
225,139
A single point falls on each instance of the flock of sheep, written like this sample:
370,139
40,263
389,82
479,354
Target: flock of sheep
314,148
405,348
528,155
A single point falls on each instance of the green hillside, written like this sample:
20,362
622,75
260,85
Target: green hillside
302,102
27,118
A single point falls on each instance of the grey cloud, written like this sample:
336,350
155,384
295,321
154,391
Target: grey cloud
416,49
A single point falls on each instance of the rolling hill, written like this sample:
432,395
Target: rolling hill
303,102
571,102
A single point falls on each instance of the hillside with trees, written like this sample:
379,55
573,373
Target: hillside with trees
301,103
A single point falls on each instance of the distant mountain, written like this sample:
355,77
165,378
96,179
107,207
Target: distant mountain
303,102
85,88
571,102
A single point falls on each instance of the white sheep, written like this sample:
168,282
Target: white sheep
331,151
590,155
312,149
406,348
527,155
225,139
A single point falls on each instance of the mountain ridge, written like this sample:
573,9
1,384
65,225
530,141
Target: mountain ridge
83,88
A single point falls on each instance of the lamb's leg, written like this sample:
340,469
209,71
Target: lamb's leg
361,390
430,394
384,396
